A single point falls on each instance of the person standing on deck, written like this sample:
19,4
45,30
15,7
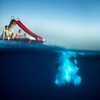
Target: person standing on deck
6,32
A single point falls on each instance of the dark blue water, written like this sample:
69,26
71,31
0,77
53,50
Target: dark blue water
28,73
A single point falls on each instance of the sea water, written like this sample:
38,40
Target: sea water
42,72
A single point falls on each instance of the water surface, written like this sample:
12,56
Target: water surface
28,72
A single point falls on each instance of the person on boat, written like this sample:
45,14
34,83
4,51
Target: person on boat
25,34
31,38
19,34
6,32
13,35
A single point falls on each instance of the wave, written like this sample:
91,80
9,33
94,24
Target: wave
16,46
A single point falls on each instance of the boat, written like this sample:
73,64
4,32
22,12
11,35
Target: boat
35,39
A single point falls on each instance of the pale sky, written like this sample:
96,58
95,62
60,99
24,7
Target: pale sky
66,23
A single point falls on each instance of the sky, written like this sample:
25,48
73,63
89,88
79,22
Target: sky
67,23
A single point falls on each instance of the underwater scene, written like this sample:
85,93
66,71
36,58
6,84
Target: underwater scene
42,72
49,49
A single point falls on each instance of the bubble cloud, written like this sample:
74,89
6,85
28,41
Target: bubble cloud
67,69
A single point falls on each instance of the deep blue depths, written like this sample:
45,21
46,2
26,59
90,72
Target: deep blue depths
30,75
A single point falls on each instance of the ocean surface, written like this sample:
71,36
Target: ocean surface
30,72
